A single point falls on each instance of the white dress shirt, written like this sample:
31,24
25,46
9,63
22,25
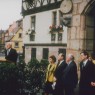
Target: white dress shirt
8,50
84,62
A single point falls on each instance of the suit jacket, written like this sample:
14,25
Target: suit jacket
12,56
50,72
70,77
58,75
86,77
59,71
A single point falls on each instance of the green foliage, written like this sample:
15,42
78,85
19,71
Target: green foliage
33,63
35,75
44,62
22,79
8,78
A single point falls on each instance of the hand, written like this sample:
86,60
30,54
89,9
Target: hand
92,83
53,85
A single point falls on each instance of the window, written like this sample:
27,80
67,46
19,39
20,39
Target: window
54,18
59,36
45,53
53,37
20,35
60,18
32,37
33,53
33,20
16,44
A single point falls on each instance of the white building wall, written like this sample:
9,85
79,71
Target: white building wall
42,34
43,22
39,53
26,26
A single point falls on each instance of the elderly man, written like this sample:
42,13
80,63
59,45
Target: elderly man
10,53
70,77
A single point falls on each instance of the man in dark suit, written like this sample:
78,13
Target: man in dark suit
70,77
59,89
10,53
86,75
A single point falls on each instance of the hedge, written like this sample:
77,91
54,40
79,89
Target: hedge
22,79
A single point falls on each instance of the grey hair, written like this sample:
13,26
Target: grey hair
9,43
71,56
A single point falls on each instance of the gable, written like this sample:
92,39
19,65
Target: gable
16,36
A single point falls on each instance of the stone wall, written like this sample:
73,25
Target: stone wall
77,32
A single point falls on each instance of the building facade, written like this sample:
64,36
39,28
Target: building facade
2,42
81,32
17,42
78,16
2,36
44,33
14,34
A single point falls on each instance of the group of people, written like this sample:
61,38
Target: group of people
62,78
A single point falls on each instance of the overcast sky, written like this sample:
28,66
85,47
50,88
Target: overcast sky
10,11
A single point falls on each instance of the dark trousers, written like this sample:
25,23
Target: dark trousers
69,91
87,91
59,89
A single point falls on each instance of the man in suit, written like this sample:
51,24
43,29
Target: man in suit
59,89
86,75
10,53
70,77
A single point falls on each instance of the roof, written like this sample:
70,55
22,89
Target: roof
14,34
13,29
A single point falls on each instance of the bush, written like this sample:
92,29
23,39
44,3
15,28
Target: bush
35,75
8,78
22,79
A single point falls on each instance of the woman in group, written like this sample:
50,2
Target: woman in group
50,75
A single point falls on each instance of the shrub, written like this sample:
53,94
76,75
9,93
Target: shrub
8,78
22,79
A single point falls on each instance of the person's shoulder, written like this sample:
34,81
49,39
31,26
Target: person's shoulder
90,62
13,49
74,63
64,63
